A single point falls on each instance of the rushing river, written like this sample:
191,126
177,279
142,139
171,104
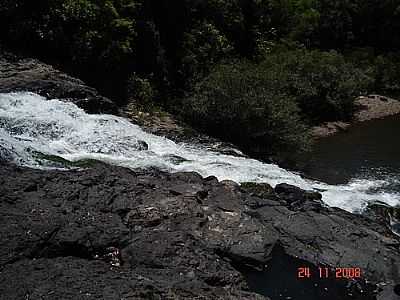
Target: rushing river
31,125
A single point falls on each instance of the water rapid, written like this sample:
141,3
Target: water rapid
32,128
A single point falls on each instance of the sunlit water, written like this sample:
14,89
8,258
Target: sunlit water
30,124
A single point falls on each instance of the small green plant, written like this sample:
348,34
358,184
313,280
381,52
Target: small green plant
387,72
262,190
140,93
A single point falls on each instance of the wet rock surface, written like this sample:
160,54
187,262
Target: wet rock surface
30,75
112,233
5,155
387,215
165,124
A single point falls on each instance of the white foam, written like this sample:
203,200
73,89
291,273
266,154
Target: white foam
30,123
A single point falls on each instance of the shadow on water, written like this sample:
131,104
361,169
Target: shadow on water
369,150
280,281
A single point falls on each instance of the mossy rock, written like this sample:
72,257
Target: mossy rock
262,190
175,159
386,213
62,162
383,209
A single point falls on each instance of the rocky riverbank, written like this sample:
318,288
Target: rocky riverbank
368,108
113,233
165,124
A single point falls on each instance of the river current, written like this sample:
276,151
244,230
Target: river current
32,127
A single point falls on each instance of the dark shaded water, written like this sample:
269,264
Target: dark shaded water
369,150
280,281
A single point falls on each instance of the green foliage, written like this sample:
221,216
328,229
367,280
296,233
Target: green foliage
341,24
387,74
323,84
153,52
268,105
176,43
203,46
95,31
306,21
262,190
96,39
227,13
384,69
234,103
140,92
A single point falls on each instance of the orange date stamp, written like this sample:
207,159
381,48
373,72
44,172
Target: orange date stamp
324,272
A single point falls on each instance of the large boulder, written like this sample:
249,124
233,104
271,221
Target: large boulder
30,75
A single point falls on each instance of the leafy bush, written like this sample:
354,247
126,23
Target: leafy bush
98,40
267,107
203,46
387,74
323,84
140,92
338,24
235,104
79,29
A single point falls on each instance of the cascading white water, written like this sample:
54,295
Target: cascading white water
30,124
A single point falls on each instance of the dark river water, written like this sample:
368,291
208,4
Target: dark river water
280,281
369,150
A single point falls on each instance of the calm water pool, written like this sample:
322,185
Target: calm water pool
369,150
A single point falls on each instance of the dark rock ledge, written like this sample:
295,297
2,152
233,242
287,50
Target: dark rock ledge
112,233
30,75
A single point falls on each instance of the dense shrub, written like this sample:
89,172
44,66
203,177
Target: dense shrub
203,46
173,43
79,30
235,103
383,69
266,107
100,41
387,74
140,92
323,84
341,24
